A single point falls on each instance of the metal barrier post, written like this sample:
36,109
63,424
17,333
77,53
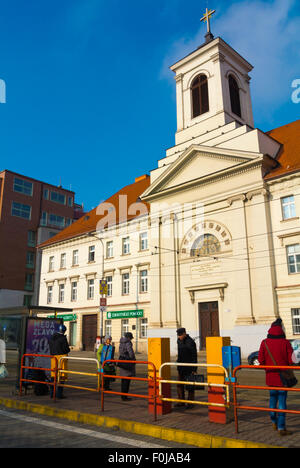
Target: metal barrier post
103,392
55,370
201,384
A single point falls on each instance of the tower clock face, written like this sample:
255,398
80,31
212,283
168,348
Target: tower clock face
205,245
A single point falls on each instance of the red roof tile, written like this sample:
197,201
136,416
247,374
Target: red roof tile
289,156
122,201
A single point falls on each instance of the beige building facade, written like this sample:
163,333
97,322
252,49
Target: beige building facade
216,248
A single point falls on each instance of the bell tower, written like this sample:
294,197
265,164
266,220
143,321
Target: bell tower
212,88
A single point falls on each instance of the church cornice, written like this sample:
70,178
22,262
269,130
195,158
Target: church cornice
157,191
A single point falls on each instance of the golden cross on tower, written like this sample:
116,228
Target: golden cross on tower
207,17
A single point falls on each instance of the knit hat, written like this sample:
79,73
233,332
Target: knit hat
277,322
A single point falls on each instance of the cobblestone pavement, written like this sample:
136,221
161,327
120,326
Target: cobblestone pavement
254,426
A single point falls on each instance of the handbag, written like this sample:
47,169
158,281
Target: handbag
125,365
199,378
287,376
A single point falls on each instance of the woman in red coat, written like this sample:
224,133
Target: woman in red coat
281,351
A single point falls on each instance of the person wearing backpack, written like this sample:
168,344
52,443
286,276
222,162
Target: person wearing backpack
276,350
106,351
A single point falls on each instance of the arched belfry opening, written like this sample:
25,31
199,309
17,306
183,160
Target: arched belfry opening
200,99
235,96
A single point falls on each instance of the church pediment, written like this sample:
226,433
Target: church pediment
199,163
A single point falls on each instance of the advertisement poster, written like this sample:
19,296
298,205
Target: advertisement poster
38,334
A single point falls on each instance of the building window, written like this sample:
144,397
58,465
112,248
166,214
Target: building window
109,286
144,281
124,326
205,245
30,260
49,294
58,198
20,210
109,249
92,253
27,300
61,293
235,96
31,239
288,207
63,260
91,289
200,101
46,194
23,186
125,246
75,260
44,219
108,328
144,241
296,321
51,263
70,201
55,220
293,254
29,282
125,283
143,328
74,291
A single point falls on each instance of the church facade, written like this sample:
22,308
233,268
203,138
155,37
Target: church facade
221,251
225,223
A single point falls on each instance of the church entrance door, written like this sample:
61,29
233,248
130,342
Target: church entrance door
208,321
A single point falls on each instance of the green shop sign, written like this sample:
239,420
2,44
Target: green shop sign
125,314
66,317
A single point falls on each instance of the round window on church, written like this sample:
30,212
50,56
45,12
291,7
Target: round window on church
205,245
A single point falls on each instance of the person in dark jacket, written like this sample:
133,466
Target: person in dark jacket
281,351
126,352
59,347
187,353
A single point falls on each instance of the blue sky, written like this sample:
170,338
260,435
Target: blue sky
90,98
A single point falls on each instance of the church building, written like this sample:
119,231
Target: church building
225,209
217,248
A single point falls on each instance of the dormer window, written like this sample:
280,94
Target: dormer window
235,96
200,101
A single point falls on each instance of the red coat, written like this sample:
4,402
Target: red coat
281,351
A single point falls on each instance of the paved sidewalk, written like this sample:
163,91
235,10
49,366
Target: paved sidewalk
187,426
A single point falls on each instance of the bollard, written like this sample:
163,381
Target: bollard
215,375
158,354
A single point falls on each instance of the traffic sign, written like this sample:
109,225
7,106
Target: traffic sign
103,301
103,287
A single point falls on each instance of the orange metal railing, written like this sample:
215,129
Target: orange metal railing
53,369
235,386
141,379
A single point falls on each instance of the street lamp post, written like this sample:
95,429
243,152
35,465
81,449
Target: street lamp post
101,310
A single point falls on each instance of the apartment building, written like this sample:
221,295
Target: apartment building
110,242
31,211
